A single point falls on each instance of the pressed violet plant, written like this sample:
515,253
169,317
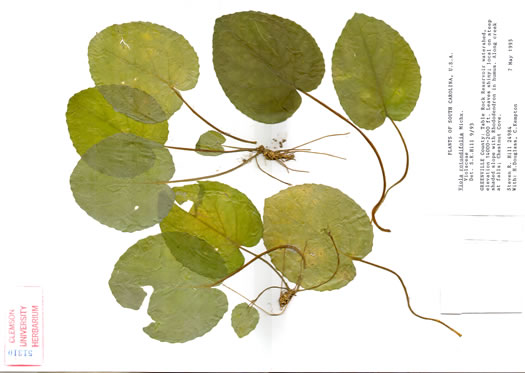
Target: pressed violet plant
313,234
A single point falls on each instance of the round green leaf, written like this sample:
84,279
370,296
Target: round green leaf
146,56
211,140
261,60
183,314
244,319
149,262
305,216
220,215
182,309
196,254
90,119
133,201
133,102
375,73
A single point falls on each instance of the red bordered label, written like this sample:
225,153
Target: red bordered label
24,326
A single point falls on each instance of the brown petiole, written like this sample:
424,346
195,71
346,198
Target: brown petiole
207,122
406,293
205,150
407,158
256,257
374,210
394,273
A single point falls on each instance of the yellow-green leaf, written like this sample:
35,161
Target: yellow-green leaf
307,216
375,72
211,140
146,56
90,119
220,215
244,319
261,61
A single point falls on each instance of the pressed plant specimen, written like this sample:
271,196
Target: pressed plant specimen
266,64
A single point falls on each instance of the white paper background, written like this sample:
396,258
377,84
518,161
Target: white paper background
49,241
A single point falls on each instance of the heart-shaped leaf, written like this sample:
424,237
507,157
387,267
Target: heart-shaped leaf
244,319
145,56
261,61
211,140
375,73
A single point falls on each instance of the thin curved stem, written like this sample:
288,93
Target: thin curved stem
374,210
258,256
208,123
269,265
286,296
252,302
320,138
407,159
246,161
253,260
209,150
406,167
311,152
406,293
266,289
288,169
336,267
239,148
276,178
287,289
